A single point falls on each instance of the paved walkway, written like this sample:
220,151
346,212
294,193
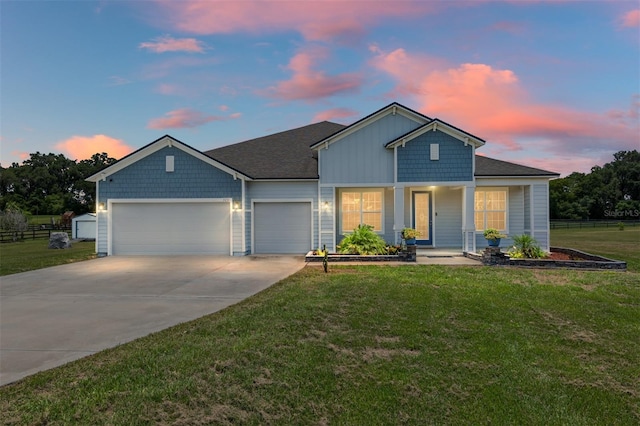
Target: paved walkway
55,315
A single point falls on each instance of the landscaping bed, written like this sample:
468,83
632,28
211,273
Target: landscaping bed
559,257
336,257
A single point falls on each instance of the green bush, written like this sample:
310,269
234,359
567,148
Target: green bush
363,241
526,247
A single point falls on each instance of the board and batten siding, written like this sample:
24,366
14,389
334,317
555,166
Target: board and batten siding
540,228
360,157
283,190
327,218
455,161
148,178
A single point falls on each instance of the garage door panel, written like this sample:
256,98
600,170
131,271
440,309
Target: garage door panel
170,228
282,227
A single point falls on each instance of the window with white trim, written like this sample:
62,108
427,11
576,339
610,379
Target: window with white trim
361,207
491,209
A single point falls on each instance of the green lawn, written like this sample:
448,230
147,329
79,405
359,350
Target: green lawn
34,254
372,345
608,242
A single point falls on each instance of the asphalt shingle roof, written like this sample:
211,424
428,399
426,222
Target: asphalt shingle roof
284,155
287,155
486,166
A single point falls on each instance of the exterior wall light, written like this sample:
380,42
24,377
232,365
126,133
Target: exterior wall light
101,207
236,205
326,206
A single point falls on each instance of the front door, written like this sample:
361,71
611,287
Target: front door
422,220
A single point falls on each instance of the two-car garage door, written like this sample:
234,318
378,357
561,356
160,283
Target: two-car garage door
170,228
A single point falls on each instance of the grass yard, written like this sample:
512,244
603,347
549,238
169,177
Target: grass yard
608,242
372,345
34,254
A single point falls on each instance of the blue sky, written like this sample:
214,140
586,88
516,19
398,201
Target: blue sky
550,84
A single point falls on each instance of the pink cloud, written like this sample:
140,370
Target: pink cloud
493,104
308,83
83,147
316,20
22,155
631,19
333,114
186,118
169,44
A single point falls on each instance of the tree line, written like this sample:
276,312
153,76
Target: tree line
50,184
608,192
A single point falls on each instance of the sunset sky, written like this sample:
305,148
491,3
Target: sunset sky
551,84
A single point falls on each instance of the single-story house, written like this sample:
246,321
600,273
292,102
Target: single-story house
301,189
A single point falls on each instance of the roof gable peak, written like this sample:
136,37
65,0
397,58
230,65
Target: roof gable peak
391,109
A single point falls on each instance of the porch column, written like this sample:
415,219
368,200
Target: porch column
468,219
398,212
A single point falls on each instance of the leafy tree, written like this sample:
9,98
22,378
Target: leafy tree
51,183
614,187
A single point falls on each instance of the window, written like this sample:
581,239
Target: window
491,209
361,207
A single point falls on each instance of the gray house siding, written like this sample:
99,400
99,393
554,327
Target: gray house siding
327,218
415,164
361,157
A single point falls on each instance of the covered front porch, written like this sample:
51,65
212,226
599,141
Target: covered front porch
443,214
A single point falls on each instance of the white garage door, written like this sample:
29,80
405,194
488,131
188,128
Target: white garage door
170,228
282,227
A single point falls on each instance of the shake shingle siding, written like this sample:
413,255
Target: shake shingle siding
454,163
191,178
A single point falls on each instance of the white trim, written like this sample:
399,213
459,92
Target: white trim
302,180
511,180
506,211
358,185
432,194
390,109
276,200
244,217
113,201
156,146
442,127
362,189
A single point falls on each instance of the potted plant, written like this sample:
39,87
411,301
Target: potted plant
409,235
493,236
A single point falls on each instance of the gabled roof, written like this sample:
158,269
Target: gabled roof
155,146
437,124
490,167
283,155
392,108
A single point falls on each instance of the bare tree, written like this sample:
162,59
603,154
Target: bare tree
12,219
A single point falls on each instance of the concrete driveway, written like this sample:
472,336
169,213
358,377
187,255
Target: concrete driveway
55,315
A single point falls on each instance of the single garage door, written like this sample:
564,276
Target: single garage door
170,228
282,227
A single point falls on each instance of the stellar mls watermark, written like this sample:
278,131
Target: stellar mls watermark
622,213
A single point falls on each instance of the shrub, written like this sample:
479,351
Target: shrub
362,241
525,246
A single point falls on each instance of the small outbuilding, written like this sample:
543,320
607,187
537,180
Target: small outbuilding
84,227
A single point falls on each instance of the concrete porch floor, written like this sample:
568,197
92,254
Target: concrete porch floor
443,256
